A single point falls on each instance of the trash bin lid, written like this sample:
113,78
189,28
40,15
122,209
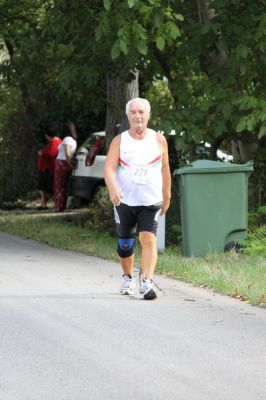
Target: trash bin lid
209,166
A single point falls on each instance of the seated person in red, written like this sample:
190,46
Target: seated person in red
46,167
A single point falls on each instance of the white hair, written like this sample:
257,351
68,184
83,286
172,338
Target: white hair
145,102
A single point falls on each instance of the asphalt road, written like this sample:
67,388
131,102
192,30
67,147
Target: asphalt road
66,334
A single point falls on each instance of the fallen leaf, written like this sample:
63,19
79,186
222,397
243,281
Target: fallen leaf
262,298
235,293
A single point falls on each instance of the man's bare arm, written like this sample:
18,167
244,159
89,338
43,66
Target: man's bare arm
111,163
166,174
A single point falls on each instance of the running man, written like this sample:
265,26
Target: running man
138,179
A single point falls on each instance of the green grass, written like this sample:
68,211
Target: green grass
240,276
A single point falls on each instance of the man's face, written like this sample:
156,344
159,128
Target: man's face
138,116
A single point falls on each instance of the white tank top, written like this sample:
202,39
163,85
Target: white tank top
72,147
139,172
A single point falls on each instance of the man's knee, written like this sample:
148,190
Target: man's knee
125,247
147,239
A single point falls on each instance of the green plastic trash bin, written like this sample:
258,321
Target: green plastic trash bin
214,205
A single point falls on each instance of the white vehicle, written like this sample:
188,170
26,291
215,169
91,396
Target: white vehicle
88,173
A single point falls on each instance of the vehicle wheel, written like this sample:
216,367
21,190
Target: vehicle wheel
233,246
73,202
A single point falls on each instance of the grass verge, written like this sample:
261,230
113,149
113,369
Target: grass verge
237,275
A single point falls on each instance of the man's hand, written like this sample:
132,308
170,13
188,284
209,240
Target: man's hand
115,197
165,206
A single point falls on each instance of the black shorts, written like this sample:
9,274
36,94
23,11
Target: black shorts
46,182
132,219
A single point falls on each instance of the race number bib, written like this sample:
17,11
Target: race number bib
140,174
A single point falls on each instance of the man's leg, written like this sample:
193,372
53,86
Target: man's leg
125,251
127,264
148,254
148,263
126,228
148,223
129,282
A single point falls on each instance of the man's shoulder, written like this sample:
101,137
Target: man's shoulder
124,133
160,137
117,139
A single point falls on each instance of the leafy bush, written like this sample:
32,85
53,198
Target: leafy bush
256,242
101,210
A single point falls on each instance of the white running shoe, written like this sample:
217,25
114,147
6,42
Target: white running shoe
128,285
147,289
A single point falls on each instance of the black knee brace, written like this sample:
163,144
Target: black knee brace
125,247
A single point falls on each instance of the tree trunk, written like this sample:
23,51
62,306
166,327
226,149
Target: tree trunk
118,94
243,151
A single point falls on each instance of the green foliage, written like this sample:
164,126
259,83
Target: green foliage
42,83
257,217
256,242
17,148
133,27
213,65
102,213
57,78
